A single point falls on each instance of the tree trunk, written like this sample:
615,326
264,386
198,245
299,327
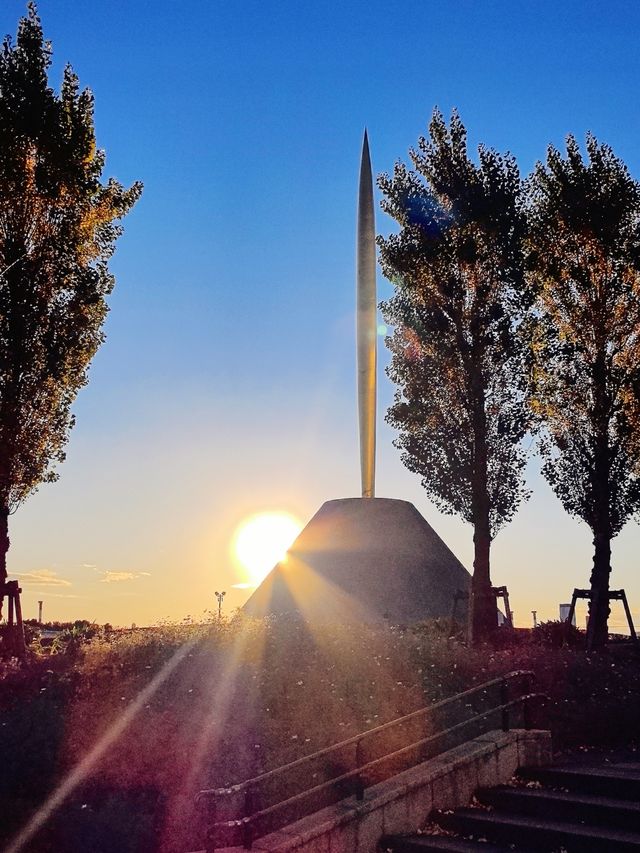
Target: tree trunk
4,547
598,628
483,611
484,614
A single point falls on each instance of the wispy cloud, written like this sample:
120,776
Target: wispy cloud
41,577
119,577
49,595
89,566
243,585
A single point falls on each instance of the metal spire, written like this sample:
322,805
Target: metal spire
366,329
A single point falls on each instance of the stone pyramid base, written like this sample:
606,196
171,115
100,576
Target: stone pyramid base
364,559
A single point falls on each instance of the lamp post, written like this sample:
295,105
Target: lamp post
220,596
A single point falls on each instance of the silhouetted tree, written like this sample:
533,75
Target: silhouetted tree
57,232
458,358
585,260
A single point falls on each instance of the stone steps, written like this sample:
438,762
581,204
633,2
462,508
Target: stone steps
619,781
439,844
579,808
563,805
538,833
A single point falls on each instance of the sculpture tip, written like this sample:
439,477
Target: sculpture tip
365,157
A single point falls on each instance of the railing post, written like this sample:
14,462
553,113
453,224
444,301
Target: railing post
526,711
504,699
211,812
247,825
425,728
359,784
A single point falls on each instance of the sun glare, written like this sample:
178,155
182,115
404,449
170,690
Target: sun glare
261,541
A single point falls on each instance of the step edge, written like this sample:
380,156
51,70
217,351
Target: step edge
570,828
561,797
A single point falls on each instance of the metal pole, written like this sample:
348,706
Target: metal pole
212,816
526,711
572,607
632,630
504,699
247,826
366,323
507,607
19,629
220,596
359,783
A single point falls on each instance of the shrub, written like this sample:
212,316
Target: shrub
556,634
248,695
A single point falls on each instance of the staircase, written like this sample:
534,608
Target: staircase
576,808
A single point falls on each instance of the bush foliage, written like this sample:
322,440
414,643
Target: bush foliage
180,707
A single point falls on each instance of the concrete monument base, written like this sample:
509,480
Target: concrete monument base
364,559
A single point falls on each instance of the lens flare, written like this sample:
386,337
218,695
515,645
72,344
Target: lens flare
261,541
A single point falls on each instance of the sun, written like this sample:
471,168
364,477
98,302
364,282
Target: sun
261,541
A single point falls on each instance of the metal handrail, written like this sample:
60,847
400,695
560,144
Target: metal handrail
249,786
371,764
428,709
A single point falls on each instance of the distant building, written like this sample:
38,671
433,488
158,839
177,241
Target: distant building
564,614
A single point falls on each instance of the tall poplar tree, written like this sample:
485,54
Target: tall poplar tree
458,358
57,232
585,260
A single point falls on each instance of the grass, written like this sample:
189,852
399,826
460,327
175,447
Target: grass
215,703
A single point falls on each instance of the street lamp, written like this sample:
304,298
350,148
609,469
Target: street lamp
220,596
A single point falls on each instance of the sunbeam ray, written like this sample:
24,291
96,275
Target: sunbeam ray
83,769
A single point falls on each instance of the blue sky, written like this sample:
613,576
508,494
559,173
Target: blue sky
227,383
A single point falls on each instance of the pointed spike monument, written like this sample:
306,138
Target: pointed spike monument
364,559
366,325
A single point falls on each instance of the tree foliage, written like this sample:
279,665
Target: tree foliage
58,226
585,260
458,357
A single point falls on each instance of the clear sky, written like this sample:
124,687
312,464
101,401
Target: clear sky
227,383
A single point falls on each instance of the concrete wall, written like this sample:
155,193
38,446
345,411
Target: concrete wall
403,803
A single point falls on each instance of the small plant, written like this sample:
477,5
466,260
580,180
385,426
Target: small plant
556,634
507,637
70,640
